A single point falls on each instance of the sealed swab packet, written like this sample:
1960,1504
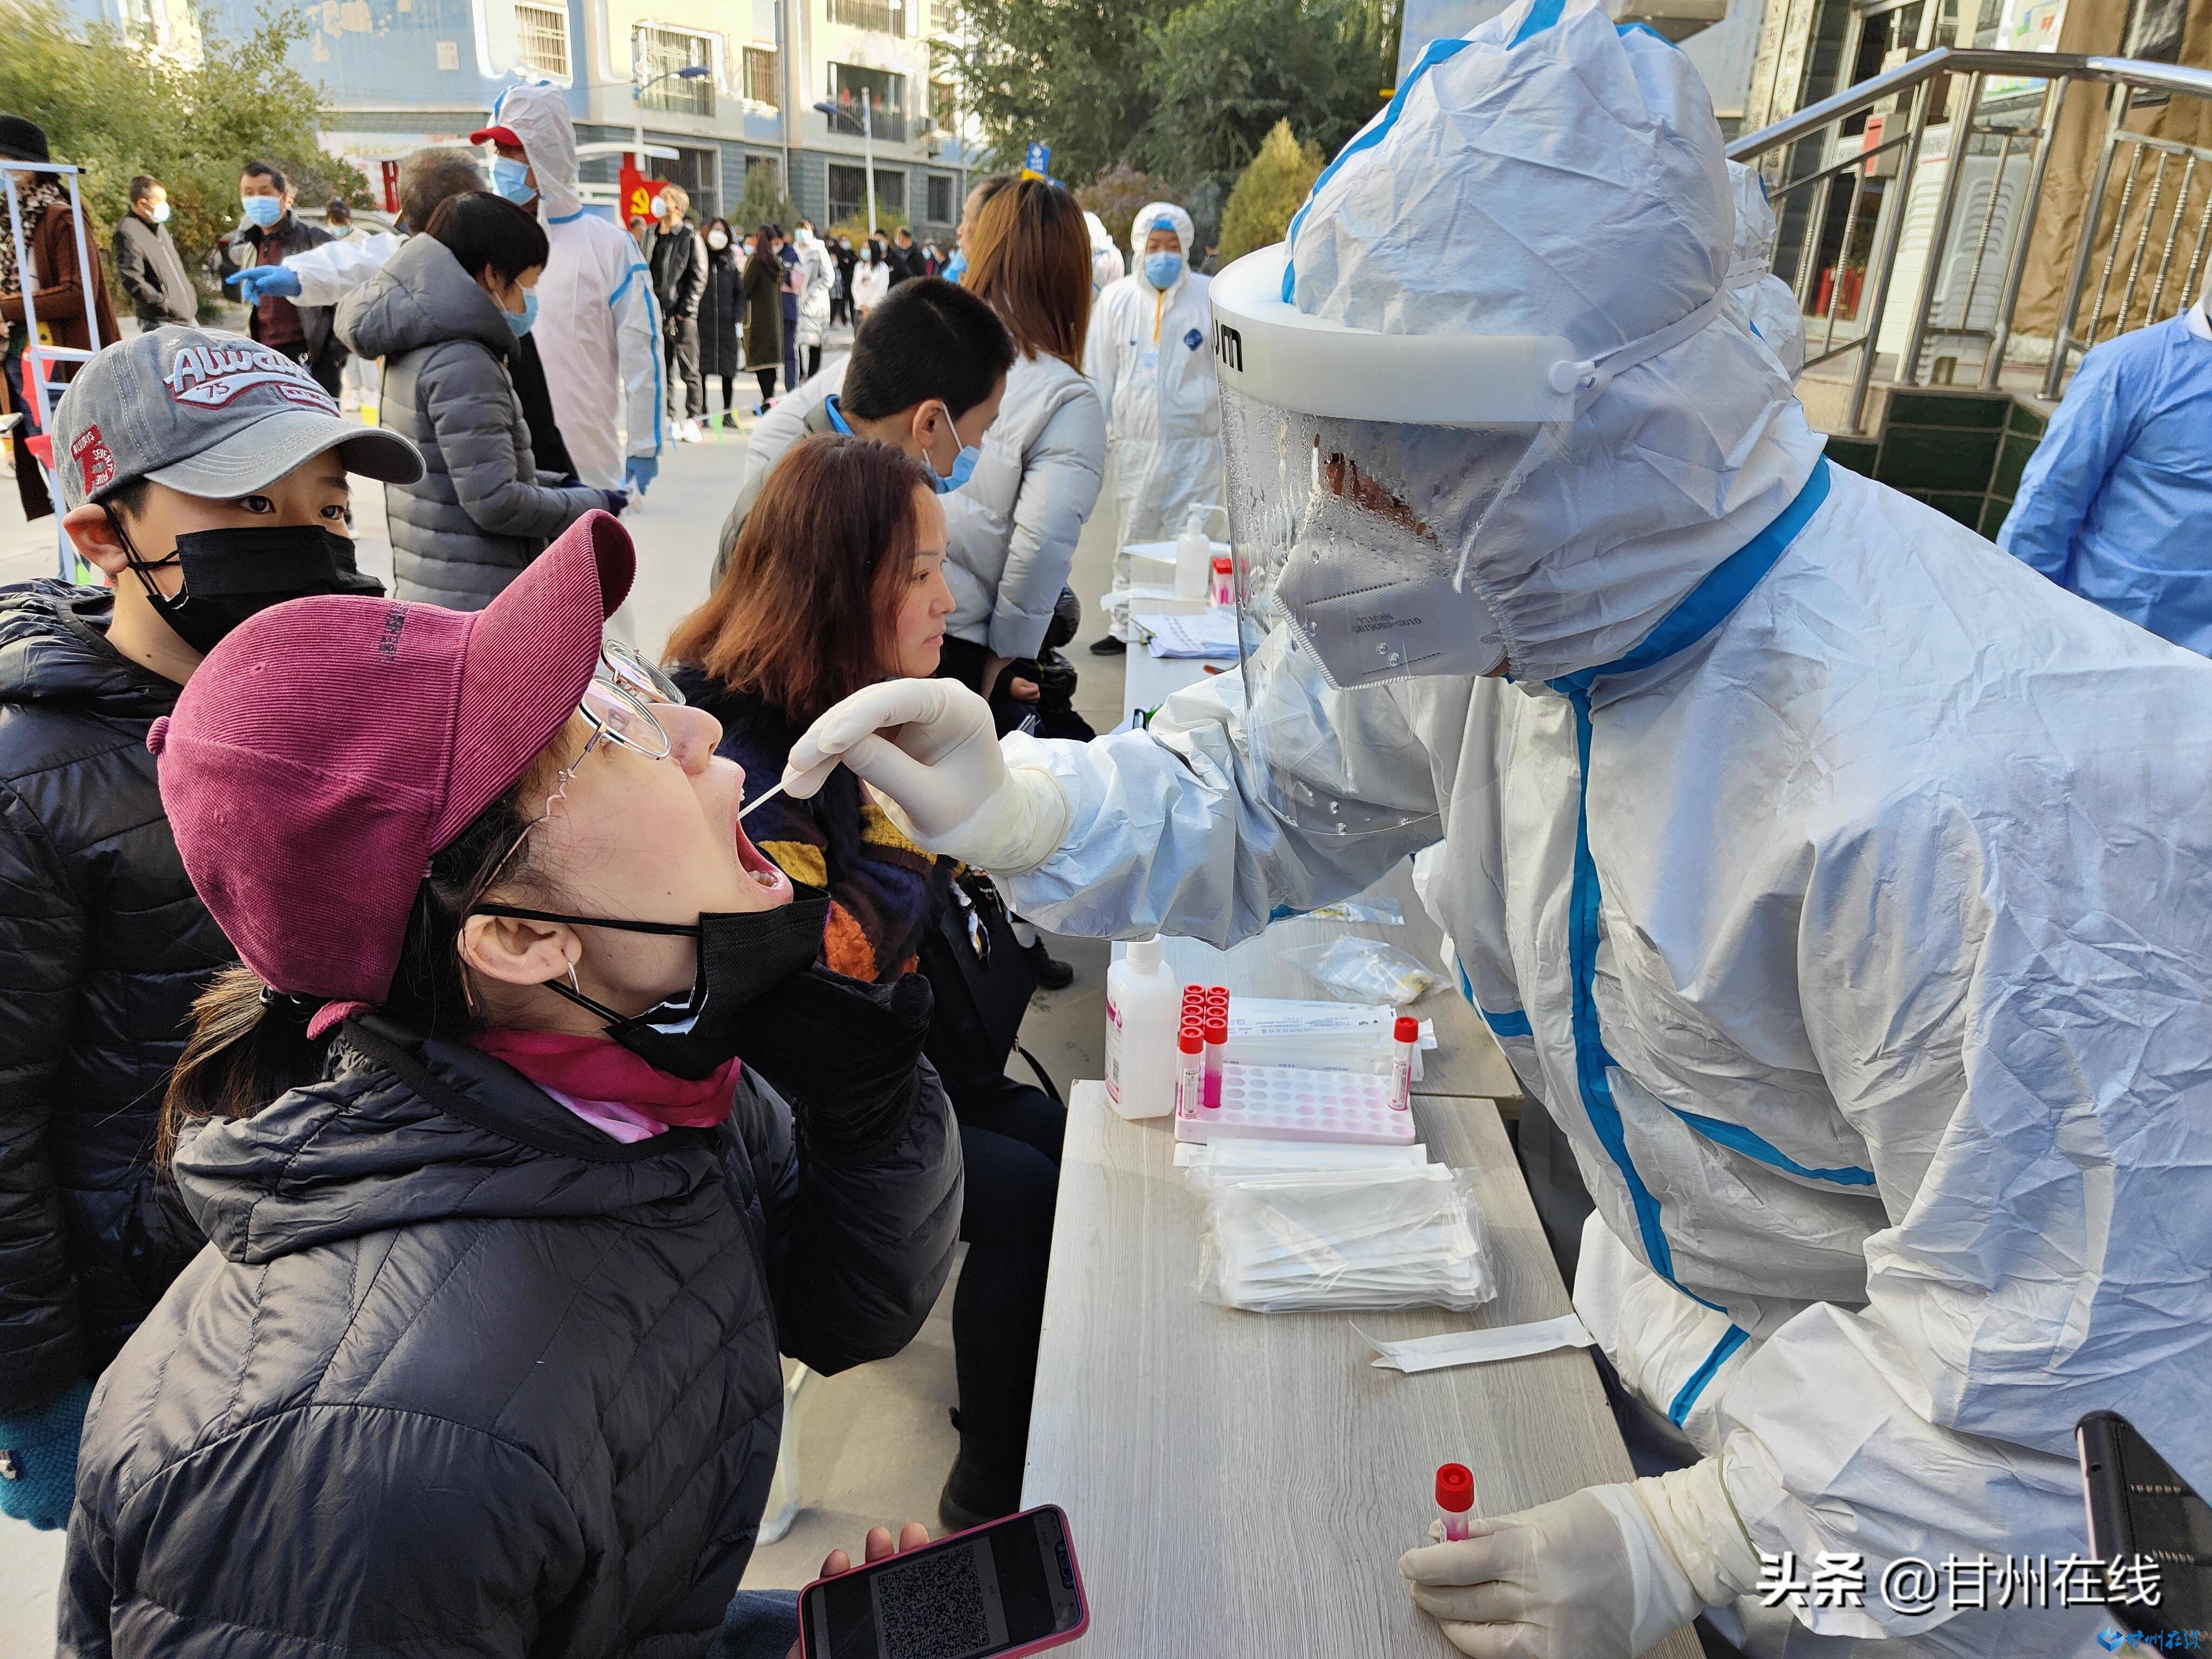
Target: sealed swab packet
1276,1240
1364,970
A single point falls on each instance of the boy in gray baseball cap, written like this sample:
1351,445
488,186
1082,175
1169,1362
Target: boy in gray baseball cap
207,477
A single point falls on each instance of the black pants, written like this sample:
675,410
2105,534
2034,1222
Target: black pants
1010,1135
680,345
767,378
729,394
813,361
841,307
791,350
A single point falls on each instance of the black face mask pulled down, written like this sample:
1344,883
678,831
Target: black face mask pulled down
742,955
231,574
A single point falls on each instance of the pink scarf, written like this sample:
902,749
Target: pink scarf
607,1085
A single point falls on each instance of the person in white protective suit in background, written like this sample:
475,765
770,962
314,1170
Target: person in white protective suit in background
598,328
1106,266
1839,889
1150,355
1769,301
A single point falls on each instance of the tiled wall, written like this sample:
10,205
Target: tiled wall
1959,452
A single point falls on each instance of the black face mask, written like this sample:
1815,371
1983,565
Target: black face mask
742,955
232,574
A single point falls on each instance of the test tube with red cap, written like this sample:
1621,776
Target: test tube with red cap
1455,1499
1217,1039
1405,1037
1190,1068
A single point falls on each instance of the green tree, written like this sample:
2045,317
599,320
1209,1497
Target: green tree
1269,192
1223,73
112,104
1116,194
1069,72
764,202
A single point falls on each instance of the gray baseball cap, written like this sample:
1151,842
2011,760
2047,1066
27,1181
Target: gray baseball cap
209,414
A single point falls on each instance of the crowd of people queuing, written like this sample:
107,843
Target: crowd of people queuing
428,1105
197,1010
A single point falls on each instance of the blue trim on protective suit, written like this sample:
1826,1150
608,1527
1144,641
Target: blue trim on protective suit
652,322
1737,1139
1367,137
1707,605
837,414
1541,16
569,218
1514,1023
1686,1398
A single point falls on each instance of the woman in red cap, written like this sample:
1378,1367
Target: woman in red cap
509,1216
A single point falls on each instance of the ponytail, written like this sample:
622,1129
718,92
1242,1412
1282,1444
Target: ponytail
249,1042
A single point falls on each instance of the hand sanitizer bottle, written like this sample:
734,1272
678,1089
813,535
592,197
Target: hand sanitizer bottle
1143,999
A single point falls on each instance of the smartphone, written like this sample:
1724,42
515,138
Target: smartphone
2138,1506
1006,1588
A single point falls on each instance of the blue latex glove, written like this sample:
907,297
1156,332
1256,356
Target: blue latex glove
37,1460
616,500
642,472
259,283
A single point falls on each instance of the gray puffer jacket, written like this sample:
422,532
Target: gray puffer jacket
463,1377
481,510
1013,526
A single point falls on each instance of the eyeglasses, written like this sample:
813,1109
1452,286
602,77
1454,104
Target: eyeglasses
617,705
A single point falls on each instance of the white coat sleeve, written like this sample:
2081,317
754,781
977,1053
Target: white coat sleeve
328,272
637,348
1168,831
2014,1014
1061,475
1101,355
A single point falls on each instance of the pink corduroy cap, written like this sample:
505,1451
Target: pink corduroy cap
328,747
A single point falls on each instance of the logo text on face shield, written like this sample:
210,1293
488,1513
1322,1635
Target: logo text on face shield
1229,347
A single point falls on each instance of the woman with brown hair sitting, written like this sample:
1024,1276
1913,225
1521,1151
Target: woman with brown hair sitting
838,580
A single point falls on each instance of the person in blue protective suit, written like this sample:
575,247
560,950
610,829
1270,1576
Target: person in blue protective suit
1838,888
2116,504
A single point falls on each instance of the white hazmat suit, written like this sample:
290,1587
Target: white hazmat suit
1839,887
1150,354
598,328
1106,266
1769,301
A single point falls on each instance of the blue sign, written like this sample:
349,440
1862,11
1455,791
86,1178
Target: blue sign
1037,158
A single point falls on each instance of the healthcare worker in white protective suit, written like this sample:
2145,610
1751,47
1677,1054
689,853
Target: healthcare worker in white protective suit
1150,355
1770,302
1839,887
1106,266
598,329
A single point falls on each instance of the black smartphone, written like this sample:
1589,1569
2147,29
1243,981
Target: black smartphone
1007,1588
2140,1508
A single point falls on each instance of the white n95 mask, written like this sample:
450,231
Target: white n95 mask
1373,583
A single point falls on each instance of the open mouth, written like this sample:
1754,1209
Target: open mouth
755,864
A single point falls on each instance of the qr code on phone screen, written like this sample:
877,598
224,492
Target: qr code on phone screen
933,1608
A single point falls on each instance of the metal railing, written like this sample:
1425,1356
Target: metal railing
1840,160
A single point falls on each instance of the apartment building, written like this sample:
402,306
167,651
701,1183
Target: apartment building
399,74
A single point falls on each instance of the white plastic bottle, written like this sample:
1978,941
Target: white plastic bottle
1143,997
1194,555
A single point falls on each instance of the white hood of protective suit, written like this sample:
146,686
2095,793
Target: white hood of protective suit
537,112
1753,255
1553,174
1147,220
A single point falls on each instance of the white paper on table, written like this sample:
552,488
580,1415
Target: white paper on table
1202,634
1162,592
1431,1353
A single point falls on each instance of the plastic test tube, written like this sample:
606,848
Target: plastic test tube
1454,1498
1405,1036
1217,1038
1190,1069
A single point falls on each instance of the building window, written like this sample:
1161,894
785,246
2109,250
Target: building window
849,195
880,91
761,76
943,111
884,16
944,16
941,199
659,54
544,31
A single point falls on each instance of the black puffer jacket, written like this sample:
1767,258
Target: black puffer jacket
103,947
463,1376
